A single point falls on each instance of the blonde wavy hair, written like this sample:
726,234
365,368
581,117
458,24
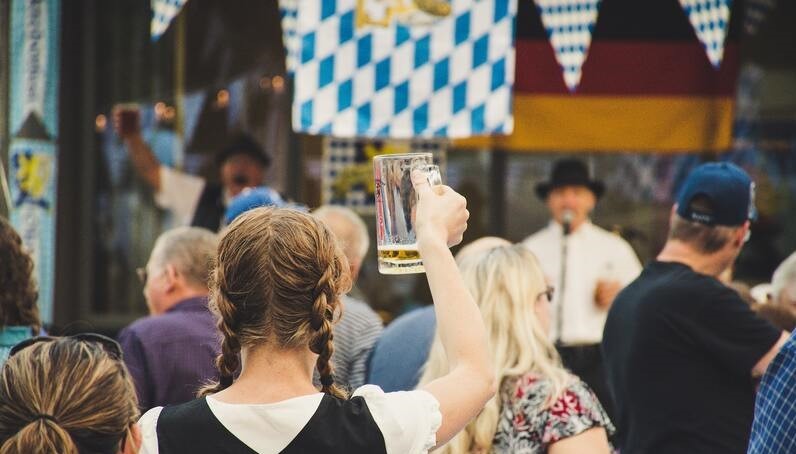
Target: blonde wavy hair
506,282
60,395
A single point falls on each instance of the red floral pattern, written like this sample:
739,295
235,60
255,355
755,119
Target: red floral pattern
526,427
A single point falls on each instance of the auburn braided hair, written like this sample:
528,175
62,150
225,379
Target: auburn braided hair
278,279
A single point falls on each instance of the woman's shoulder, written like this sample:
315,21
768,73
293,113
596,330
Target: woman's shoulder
536,420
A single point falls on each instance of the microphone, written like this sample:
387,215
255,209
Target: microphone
566,221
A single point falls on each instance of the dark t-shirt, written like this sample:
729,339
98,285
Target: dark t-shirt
679,349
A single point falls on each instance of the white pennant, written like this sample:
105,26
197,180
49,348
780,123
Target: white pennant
569,25
163,12
710,19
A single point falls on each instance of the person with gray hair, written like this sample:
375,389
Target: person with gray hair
783,283
172,352
359,328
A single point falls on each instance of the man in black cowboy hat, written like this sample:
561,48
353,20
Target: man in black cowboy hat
596,265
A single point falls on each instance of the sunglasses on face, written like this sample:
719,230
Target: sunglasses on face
110,346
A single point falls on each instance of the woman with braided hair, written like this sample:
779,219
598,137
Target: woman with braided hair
276,293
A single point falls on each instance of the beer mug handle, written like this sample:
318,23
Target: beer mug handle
432,174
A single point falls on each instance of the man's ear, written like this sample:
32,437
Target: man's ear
171,276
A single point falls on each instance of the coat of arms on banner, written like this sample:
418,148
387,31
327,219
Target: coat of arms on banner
347,168
401,68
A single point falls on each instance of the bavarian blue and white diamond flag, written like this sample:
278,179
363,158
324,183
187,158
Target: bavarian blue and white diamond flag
163,12
710,19
569,25
404,68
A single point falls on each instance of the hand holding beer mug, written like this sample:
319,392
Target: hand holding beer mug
396,203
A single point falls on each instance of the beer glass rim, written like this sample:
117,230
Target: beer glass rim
402,156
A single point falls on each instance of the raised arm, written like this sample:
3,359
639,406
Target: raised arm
145,162
441,219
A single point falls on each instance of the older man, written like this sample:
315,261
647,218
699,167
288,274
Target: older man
172,352
682,348
360,327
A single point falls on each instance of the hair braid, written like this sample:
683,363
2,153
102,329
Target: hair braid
228,361
321,320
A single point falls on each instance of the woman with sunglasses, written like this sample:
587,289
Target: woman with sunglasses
276,291
540,408
69,395
19,314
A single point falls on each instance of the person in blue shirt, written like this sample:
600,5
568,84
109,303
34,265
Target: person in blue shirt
403,348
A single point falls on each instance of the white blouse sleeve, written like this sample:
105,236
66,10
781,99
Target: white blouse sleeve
408,420
179,193
149,435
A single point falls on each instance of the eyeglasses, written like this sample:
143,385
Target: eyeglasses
110,346
142,275
548,293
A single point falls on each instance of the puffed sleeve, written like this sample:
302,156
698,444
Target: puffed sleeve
576,410
408,420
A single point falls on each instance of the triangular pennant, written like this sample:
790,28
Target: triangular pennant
756,12
163,12
569,24
710,19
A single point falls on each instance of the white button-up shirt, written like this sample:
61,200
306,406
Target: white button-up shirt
593,254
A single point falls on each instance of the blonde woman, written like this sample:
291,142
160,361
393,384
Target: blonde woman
69,395
540,408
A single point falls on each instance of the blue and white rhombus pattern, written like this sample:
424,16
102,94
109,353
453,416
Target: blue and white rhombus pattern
569,25
710,19
450,76
163,12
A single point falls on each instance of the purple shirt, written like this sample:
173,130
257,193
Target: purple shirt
171,355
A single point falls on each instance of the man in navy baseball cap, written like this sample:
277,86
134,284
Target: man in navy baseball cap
679,345
726,192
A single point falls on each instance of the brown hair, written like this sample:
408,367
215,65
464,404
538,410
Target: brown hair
58,395
278,279
18,293
704,238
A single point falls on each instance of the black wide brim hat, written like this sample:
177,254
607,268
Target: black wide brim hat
569,172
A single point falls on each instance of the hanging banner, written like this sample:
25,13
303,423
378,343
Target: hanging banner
710,19
646,86
402,69
569,24
163,12
33,124
347,168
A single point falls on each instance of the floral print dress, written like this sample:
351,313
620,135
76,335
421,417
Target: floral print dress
526,427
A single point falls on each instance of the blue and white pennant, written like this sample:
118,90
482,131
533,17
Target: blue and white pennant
569,25
449,78
163,12
710,19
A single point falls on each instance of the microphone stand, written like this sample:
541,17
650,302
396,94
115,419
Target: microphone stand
562,280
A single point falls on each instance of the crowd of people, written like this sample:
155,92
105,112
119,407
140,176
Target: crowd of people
559,344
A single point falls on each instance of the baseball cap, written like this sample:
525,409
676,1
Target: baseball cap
728,190
249,198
